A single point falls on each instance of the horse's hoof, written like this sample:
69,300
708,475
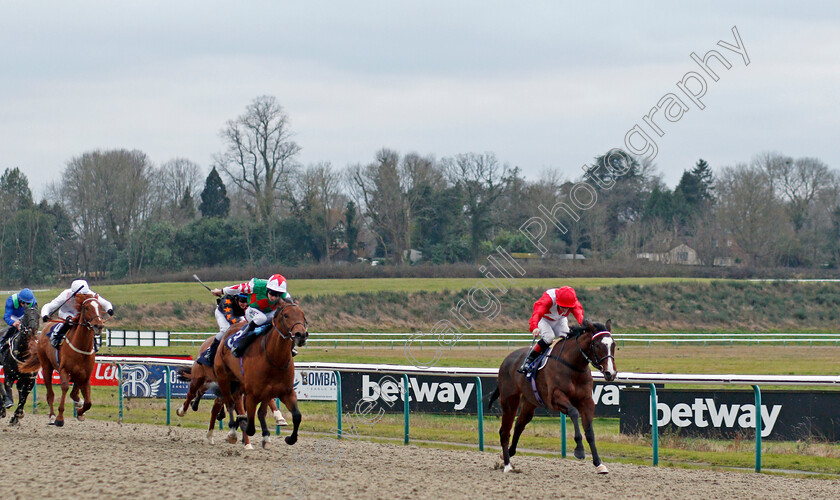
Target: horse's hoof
290,440
580,454
52,420
602,469
231,437
59,423
78,404
508,468
180,412
249,446
278,416
80,418
266,443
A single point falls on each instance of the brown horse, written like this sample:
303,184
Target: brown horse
201,378
564,385
76,357
266,370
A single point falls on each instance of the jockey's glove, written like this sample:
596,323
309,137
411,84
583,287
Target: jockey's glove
45,318
110,312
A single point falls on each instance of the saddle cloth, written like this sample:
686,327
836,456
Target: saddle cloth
53,329
542,359
233,340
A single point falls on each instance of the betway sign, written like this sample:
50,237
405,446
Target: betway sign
437,394
784,414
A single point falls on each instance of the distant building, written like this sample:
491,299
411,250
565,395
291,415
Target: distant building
681,254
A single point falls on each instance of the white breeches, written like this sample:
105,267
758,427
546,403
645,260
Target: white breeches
550,330
257,316
223,324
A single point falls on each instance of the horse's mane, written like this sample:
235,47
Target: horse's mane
577,331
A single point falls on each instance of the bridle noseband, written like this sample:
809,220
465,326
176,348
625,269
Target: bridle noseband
288,336
598,363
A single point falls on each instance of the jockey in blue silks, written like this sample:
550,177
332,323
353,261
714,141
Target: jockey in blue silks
16,304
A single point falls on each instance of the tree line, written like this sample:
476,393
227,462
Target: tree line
116,214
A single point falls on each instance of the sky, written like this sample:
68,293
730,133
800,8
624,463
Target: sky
542,84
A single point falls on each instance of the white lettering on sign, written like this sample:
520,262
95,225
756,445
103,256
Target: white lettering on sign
723,415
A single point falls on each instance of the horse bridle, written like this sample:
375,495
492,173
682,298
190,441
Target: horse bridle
598,363
86,324
25,331
289,328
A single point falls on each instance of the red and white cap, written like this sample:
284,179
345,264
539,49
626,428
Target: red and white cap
277,283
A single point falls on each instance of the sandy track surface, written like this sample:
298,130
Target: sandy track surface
103,459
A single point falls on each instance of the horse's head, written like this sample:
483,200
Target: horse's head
30,322
291,321
91,311
602,348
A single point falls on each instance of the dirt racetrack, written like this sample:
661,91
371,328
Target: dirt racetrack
97,459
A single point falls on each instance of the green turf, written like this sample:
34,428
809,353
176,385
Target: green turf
155,293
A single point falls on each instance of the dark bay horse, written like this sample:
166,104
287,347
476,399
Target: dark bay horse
76,357
16,353
266,371
201,378
564,384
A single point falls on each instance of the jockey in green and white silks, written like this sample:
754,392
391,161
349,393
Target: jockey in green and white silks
263,299
67,309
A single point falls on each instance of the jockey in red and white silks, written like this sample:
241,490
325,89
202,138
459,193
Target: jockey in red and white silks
549,320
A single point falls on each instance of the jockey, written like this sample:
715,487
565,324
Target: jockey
263,299
16,304
231,310
550,321
67,309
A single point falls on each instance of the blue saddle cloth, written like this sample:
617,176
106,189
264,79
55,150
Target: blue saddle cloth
53,329
233,341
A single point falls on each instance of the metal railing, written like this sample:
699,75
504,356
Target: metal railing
651,379
119,338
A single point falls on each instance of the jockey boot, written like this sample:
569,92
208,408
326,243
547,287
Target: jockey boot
538,348
209,354
247,336
58,337
8,401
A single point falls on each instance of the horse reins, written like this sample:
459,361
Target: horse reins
282,336
597,364
86,324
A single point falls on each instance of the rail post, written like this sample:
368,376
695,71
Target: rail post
277,427
563,435
338,403
654,424
405,405
479,396
34,397
167,372
120,390
758,426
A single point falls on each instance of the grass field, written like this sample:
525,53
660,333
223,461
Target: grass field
155,293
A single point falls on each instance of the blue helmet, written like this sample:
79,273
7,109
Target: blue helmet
26,295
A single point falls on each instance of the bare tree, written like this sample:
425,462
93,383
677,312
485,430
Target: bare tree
176,182
260,153
319,187
750,212
482,179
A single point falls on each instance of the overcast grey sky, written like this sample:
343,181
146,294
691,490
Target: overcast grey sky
542,84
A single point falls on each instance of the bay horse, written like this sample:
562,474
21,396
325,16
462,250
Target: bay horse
76,357
564,384
17,352
202,378
265,371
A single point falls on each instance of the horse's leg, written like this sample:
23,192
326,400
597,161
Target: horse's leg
290,400
3,392
526,413
509,406
191,393
65,386
25,384
198,396
74,395
80,414
278,415
47,372
251,410
266,433
587,412
580,453
214,414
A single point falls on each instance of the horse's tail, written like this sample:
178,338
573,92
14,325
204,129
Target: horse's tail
493,397
185,374
32,364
